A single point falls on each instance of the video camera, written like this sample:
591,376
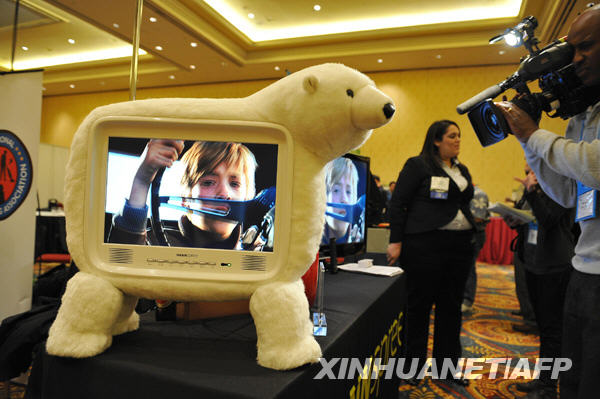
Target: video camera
562,91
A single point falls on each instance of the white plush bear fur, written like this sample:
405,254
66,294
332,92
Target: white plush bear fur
325,121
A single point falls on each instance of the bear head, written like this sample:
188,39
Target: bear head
329,109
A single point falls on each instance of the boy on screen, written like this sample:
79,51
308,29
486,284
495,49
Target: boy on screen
344,211
212,170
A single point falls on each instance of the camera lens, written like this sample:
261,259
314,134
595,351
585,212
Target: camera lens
491,121
488,123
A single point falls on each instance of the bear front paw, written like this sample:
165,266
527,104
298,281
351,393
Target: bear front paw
289,355
77,344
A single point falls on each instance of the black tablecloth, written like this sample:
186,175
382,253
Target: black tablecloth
50,235
216,358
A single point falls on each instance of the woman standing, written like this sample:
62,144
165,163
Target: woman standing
432,236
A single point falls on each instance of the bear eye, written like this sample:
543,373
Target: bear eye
350,93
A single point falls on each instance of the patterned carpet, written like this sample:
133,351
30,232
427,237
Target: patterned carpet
487,333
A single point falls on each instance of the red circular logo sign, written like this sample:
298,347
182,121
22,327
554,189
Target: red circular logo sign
16,173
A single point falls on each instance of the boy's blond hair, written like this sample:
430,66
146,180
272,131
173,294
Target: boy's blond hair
204,156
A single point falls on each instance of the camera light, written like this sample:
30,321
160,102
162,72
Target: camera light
513,38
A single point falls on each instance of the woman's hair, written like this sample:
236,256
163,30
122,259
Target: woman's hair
337,168
430,151
204,156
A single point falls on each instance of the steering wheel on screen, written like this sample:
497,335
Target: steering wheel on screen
155,221
259,210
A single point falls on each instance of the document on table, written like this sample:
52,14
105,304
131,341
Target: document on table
388,271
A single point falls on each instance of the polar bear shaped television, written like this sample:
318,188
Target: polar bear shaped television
246,226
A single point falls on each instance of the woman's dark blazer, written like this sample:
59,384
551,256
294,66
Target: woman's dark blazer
413,211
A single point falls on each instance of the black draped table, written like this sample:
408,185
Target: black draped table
216,358
50,234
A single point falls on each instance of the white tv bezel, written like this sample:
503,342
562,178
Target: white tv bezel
178,263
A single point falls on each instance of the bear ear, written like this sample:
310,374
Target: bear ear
310,83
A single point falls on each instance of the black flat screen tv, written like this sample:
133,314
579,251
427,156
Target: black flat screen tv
347,187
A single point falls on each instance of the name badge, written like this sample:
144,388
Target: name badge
439,187
532,233
586,202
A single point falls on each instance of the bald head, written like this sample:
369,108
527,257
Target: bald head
584,36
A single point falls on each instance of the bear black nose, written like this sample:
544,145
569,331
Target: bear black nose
388,110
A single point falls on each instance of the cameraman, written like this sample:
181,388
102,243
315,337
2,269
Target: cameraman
568,170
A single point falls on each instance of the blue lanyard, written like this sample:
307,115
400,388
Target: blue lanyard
586,196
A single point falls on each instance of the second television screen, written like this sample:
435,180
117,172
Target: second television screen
346,187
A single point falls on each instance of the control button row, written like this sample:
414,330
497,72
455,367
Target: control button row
180,262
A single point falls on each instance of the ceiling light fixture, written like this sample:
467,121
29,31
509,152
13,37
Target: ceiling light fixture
317,7
159,48
172,77
380,60
439,56
152,19
71,41
72,86
277,68
194,44
501,52
24,48
192,66
116,25
250,15
478,12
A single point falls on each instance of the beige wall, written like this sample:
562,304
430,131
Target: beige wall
421,97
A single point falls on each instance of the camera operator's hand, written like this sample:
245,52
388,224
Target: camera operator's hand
521,124
157,154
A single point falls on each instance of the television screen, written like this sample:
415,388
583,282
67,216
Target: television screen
346,184
211,195
187,199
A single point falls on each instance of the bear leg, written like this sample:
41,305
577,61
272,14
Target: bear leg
87,317
128,319
283,326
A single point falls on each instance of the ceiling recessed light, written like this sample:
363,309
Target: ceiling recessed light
116,25
501,52
317,7
159,48
192,66
439,56
250,15
194,44
379,60
152,19
24,48
72,86
277,68
172,77
71,41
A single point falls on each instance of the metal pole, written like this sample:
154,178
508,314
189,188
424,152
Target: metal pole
14,38
136,45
